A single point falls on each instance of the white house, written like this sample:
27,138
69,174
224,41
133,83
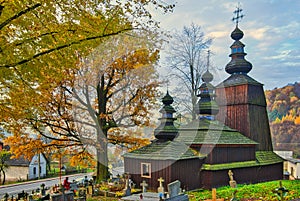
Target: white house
23,169
17,169
34,166
293,167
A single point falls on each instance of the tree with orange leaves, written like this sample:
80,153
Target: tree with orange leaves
115,86
40,47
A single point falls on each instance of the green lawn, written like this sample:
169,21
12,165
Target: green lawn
253,192
258,192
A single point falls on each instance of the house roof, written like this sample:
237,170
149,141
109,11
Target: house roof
18,162
238,79
163,150
211,132
262,158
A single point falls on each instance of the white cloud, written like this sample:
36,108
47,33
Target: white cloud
271,28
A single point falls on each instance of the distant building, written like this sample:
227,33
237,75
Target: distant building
291,165
23,169
18,169
33,166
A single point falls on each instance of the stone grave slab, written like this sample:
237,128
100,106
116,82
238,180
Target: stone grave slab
148,196
174,188
182,197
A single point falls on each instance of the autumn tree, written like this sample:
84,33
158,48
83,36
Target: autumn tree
115,86
284,109
41,45
186,60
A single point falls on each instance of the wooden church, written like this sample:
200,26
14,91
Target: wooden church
201,153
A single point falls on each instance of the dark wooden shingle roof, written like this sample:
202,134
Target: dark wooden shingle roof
211,132
166,150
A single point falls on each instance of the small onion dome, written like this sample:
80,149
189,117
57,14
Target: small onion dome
238,63
237,34
207,104
166,130
207,77
167,99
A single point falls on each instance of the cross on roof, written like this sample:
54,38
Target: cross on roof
208,57
238,14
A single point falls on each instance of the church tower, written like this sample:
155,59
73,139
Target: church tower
241,99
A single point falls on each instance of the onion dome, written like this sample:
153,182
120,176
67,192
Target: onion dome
207,77
237,34
166,130
238,64
207,105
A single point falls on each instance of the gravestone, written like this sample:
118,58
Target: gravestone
82,192
174,188
69,196
43,191
232,182
182,197
73,186
56,197
160,189
90,190
127,189
30,198
144,186
6,196
174,191
21,195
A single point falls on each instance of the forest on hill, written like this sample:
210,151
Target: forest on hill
283,106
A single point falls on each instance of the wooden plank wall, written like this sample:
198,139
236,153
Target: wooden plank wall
243,107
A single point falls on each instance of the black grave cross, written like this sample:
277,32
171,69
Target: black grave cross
238,14
281,191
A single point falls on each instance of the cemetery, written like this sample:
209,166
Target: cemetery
227,146
124,189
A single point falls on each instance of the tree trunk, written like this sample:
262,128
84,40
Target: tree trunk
194,105
102,164
4,177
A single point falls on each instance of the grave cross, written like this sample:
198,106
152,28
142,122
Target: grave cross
160,180
214,196
144,185
160,189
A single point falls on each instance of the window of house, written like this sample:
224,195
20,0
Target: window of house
34,170
146,170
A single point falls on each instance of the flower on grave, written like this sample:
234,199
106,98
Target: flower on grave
119,194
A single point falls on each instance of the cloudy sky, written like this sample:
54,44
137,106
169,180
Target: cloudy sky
271,34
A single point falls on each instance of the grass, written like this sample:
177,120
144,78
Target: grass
259,192
252,192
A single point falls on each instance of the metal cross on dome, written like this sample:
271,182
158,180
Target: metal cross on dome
238,14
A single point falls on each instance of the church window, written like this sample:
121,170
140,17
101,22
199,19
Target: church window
34,170
146,170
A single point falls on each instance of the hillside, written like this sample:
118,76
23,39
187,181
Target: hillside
283,106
